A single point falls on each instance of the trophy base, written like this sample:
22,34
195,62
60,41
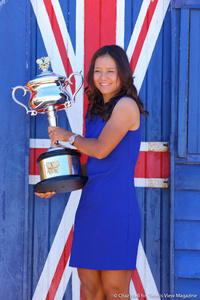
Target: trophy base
61,184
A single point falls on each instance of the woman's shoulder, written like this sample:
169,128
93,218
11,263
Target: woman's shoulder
127,103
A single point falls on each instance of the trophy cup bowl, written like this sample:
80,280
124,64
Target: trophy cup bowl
60,168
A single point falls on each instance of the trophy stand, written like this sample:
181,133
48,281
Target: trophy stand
60,168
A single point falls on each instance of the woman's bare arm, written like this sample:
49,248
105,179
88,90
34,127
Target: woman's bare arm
125,116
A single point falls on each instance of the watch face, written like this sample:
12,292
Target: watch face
71,140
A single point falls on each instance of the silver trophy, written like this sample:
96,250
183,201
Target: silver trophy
60,168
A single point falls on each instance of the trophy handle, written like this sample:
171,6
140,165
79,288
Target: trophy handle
33,112
69,81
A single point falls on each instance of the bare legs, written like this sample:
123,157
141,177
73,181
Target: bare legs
101,285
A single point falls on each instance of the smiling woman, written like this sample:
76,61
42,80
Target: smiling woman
107,223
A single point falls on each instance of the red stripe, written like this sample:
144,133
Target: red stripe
138,285
58,36
60,268
149,164
153,165
100,30
143,34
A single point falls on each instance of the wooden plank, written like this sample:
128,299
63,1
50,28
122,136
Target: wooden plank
187,177
194,92
141,193
153,232
166,78
40,237
154,93
187,235
188,287
187,205
183,84
165,241
187,264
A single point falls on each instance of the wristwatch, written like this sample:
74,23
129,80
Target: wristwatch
72,139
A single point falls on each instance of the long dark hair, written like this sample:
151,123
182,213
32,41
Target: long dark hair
96,104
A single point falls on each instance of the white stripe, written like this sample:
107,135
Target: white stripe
33,179
46,143
76,285
57,247
120,21
150,41
132,292
139,182
65,33
145,146
145,274
137,28
40,143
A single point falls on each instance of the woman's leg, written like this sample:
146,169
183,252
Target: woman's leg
116,284
92,288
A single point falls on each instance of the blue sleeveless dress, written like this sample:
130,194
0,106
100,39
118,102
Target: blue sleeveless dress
107,223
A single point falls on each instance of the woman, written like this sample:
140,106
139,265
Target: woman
107,223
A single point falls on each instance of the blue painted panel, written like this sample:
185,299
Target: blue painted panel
153,231
14,152
187,235
188,287
185,3
187,177
187,264
187,205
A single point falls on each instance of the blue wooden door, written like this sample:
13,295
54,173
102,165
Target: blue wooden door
185,146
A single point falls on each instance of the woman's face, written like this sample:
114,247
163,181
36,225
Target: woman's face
106,77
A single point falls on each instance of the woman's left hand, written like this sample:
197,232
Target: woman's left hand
58,134
46,195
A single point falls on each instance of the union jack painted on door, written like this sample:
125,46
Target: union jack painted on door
71,31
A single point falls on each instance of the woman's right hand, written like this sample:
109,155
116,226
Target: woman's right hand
46,195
